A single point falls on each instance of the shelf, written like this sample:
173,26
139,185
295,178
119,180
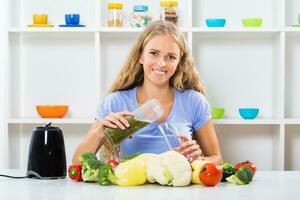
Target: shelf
292,29
237,29
53,120
47,30
292,121
240,67
292,147
243,121
90,121
137,30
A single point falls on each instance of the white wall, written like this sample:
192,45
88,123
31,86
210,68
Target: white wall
3,86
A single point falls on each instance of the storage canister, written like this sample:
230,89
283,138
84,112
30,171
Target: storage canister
140,16
169,11
115,15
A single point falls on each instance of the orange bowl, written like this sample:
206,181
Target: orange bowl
52,111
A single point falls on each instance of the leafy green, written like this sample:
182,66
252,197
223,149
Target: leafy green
90,169
106,176
249,173
243,176
228,170
85,156
227,167
126,158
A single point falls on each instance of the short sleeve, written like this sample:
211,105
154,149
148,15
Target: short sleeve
107,106
201,110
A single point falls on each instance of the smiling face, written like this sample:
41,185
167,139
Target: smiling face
160,58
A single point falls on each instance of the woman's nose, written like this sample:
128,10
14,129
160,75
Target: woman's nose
162,62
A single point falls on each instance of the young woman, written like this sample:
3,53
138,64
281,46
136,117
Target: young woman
161,67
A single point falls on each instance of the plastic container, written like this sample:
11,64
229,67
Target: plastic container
248,113
217,113
140,16
215,22
252,22
52,111
115,15
145,114
169,11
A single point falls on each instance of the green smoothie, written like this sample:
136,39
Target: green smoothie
116,135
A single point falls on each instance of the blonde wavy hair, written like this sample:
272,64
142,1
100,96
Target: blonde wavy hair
185,77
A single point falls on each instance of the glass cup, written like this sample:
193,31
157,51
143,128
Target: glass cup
170,133
145,114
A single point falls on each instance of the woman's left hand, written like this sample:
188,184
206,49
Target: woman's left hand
189,148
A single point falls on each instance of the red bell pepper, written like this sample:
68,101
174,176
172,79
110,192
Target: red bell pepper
113,163
74,172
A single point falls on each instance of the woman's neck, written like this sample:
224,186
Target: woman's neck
164,94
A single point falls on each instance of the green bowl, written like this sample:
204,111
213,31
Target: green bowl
252,22
217,113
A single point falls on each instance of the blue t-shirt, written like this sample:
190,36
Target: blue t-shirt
189,113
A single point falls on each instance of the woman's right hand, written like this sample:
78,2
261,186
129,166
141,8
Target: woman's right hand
117,120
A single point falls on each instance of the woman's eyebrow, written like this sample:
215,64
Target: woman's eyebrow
169,53
172,54
153,50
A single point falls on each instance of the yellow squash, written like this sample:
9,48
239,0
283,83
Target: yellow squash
132,172
196,167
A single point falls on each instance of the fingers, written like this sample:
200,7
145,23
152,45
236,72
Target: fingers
126,113
117,120
183,138
189,148
194,156
186,144
108,124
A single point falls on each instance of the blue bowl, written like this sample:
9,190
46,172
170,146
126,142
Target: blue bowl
72,18
248,113
215,22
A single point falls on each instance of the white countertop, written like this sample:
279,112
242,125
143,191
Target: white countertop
266,185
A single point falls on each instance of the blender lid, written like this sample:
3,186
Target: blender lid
48,126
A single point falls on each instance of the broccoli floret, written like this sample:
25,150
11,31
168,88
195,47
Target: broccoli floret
87,155
105,176
90,169
249,173
243,176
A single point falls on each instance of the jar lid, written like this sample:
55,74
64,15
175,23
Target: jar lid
115,5
47,127
140,8
169,3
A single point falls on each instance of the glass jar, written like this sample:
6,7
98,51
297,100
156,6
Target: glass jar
140,16
115,15
169,11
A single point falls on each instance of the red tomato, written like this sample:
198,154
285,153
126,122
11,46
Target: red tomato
113,163
247,164
210,174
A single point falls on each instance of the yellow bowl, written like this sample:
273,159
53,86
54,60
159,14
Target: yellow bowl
52,111
40,18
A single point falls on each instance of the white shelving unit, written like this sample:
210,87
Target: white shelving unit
241,67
